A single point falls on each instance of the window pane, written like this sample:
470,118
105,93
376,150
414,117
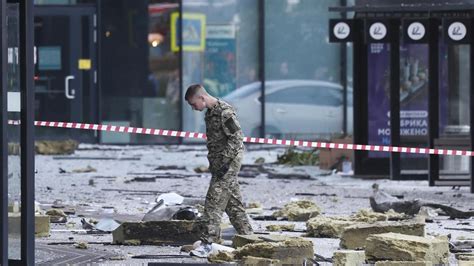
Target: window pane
297,51
226,64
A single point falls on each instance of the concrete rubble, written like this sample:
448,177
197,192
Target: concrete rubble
400,247
348,258
157,232
333,226
354,237
49,147
257,261
294,251
57,216
242,240
112,200
280,227
42,224
301,210
403,263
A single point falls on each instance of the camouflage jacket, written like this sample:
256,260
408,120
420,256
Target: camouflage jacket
224,135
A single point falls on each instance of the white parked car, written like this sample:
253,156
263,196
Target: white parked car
293,108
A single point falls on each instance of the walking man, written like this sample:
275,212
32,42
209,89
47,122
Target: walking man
225,151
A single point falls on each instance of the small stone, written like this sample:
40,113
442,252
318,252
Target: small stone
201,169
260,160
81,245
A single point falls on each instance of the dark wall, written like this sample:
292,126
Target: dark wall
124,50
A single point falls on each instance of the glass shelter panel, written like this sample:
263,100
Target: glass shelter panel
303,93
454,109
223,56
13,134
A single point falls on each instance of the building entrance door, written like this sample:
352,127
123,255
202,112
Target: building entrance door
65,70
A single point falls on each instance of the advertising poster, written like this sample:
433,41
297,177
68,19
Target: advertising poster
413,93
220,60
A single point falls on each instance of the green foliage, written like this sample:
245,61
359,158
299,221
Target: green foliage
293,157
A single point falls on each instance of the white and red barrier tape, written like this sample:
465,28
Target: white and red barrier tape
195,135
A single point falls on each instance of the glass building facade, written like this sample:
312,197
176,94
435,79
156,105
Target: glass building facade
272,60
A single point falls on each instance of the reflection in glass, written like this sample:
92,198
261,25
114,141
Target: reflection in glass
227,66
454,106
302,65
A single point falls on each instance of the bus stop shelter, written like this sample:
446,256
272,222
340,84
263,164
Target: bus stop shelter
17,103
413,86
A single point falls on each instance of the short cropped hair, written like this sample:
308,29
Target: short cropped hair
193,90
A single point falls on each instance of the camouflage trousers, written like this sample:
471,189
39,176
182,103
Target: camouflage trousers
224,195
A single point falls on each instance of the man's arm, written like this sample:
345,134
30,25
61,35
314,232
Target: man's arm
233,131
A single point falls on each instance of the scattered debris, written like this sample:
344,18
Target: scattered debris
14,148
354,237
369,216
81,245
331,227
57,216
292,157
349,257
294,251
242,240
42,224
250,260
221,257
252,205
201,169
403,263
399,247
382,202
157,232
288,176
248,174
170,198
154,192
301,210
97,158
280,227
170,167
50,147
88,169
315,194
141,179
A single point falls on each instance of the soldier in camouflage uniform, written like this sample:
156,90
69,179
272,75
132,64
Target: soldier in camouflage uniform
225,146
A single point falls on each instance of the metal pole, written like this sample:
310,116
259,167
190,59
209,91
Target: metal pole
433,99
471,107
360,91
3,133
395,98
27,133
261,62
